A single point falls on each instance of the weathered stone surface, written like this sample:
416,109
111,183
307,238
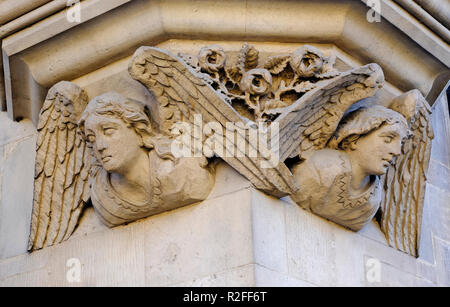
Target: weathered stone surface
440,150
16,173
265,277
438,202
17,142
243,276
226,243
106,151
11,131
227,181
269,232
341,183
439,174
326,254
443,261
215,235
426,250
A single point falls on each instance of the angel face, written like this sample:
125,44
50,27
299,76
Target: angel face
115,145
376,150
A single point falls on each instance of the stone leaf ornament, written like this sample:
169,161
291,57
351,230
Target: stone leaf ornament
61,185
262,89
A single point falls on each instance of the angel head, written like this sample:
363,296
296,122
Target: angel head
372,136
118,130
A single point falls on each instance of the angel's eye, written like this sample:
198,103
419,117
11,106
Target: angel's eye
109,131
90,138
388,139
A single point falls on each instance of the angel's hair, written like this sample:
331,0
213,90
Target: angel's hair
133,113
363,121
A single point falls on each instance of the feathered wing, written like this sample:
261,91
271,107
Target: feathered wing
181,93
61,187
309,123
405,180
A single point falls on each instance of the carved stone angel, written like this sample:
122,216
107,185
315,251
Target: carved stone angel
139,176
378,157
115,147
341,183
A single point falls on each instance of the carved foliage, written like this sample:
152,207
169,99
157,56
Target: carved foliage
263,88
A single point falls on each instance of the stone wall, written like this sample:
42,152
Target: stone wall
17,154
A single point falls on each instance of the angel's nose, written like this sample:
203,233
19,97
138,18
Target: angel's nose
396,149
100,144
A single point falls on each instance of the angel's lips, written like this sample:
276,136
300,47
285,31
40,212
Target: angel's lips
106,158
387,162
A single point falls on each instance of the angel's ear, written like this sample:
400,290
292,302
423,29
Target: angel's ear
352,144
146,134
147,141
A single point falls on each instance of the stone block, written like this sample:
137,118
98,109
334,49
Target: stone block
16,195
227,180
243,276
325,254
442,251
265,277
390,276
439,175
311,247
440,150
269,234
426,235
11,131
109,258
437,203
199,240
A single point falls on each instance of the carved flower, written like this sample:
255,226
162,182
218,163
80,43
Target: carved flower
257,81
307,61
212,58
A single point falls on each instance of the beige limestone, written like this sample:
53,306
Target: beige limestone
114,154
17,154
316,263
153,251
11,9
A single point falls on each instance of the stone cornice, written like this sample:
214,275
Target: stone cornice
53,50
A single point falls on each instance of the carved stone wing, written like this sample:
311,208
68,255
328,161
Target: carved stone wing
405,180
182,93
61,186
309,123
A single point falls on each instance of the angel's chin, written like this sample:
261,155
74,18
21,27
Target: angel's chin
109,167
381,171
